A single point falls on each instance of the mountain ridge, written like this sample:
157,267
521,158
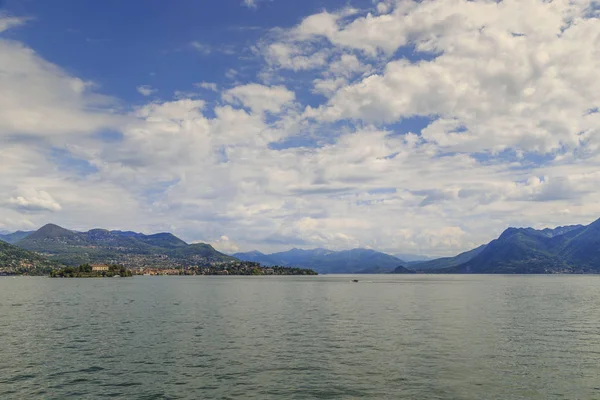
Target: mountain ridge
328,261
567,249
13,237
564,249
127,248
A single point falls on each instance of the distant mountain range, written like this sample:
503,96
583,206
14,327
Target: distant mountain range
412,258
446,262
127,248
14,237
327,261
566,249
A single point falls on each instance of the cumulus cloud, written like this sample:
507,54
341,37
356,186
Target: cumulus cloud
225,245
38,98
508,81
31,199
507,90
290,56
259,97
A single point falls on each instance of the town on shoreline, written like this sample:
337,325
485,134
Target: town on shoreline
114,270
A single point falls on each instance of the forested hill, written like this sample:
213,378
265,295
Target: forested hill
14,260
124,248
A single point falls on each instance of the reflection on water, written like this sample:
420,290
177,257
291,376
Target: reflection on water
421,337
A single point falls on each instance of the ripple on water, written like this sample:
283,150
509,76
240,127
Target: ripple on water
428,338
19,378
92,369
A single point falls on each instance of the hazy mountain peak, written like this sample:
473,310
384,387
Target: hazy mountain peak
253,252
328,261
135,249
14,237
50,231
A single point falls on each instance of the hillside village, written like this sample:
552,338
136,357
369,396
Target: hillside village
53,248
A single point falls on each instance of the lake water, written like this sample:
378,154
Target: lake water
409,337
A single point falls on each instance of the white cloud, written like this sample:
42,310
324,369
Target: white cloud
231,74
529,91
225,245
289,56
347,66
322,24
180,94
30,199
384,7
145,90
38,98
252,3
511,88
208,86
260,98
328,87
8,22
201,47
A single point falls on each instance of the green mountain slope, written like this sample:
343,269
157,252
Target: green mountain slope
126,248
14,260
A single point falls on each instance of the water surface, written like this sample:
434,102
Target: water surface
412,337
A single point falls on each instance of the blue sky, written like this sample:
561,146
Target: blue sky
123,44
410,127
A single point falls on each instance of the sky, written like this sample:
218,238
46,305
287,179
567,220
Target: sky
422,127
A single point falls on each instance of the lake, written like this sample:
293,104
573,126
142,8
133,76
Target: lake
388,336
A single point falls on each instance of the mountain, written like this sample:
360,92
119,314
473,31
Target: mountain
14,260
199,253
127,248
521,251
447,262
327,261
166,240
561,230
571,249
14,237
581,247
257,256
403,270
412,258
51,231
